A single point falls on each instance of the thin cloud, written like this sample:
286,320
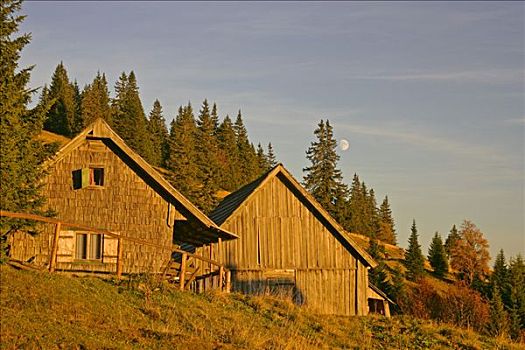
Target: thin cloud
489,76
419,138
514,121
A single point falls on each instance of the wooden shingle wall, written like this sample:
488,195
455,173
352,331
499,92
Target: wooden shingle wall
125,204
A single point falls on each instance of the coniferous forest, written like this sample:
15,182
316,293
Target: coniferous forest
204,155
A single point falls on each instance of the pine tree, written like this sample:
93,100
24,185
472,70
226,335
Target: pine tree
451,240
272,161
356,207
61,116
228,155
262,159
78,118
498,326
207,163
500,277
517,287
414,259
22,156
371,213
95,101
387,232
248,167
182,153
129,120
437,256
159,134
323,179
215,119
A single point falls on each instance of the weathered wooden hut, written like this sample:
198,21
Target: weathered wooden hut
96,180
289,244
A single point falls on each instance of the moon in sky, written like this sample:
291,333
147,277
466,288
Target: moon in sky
344,144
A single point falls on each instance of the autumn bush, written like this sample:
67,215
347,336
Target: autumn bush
458,305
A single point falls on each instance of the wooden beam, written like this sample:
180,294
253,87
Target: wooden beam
119,258
221,278
182,277
228,281
54,249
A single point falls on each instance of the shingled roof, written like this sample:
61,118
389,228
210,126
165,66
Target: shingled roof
236,200
100,130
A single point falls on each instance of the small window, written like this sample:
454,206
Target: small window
89,246
88,177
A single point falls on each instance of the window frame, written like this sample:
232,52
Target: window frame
89,249
86,177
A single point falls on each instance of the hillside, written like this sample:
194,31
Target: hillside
42,310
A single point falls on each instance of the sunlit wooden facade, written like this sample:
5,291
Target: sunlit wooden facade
289,244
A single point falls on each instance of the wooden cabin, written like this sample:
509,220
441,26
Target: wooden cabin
96,180
288,244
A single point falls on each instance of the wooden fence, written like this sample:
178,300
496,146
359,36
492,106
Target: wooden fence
224,275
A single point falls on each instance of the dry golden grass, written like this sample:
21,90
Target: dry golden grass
53,311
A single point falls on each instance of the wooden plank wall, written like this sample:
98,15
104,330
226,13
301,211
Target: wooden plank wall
126,204
277,231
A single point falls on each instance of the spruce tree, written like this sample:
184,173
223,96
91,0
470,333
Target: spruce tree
437,256
262,159
21,170
517,287
500,277
387,232
207,162
414,259
78,118
356,207
451,240
182,153
95,101
129,120
61,116
248,167
322,178
498,326
228,155
272,161
215,119
159,134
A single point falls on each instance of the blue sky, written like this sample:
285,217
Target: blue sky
429,95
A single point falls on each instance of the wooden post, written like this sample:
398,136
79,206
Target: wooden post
219,251
228,281
54,249
182,277
221,278
119,258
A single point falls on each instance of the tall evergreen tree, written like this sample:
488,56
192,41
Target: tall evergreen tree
498,324
437,256
22,156
371,212
207,162
228,155
159,134
182,153
322,178
517,287
95,101
78,118
262,159
272,161
61,116
356,207
451,240
414,259
500,277
215,119
129,119
387,232
248,167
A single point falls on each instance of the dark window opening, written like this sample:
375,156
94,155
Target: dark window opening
96,176
89,246
87,177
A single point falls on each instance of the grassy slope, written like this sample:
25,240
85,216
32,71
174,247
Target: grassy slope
42,310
